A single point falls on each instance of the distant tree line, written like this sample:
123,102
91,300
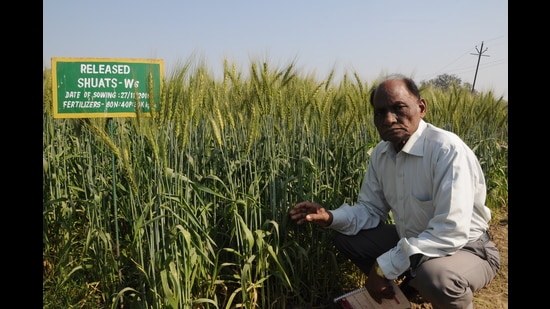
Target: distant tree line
446,82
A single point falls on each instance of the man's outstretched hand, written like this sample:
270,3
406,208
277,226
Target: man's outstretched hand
311,212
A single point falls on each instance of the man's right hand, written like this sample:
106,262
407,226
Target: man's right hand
311,212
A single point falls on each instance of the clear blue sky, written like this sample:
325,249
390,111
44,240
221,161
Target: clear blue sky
422,38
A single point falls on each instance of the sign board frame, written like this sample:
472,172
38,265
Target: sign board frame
106,87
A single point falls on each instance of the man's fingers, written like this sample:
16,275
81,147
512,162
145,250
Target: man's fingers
387,292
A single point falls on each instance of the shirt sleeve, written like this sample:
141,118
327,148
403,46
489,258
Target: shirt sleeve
368,211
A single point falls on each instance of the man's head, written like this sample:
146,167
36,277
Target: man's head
398,109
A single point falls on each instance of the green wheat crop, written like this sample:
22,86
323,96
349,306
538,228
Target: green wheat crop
189,208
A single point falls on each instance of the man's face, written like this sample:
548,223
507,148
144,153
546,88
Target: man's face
397,112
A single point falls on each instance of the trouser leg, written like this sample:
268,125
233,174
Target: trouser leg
450,281
363,249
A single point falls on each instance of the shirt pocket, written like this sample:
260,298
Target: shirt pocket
418,215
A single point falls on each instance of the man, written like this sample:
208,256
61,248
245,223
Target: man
434,186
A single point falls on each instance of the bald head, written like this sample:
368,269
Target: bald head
409,84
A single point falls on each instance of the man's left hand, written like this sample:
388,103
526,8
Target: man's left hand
379,287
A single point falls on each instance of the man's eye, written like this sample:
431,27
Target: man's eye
400,109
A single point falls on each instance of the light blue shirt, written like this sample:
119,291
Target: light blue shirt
435,190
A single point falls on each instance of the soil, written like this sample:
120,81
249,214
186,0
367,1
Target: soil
495,295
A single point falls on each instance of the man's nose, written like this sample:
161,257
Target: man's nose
390,117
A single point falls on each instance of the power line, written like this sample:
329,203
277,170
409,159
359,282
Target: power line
445,67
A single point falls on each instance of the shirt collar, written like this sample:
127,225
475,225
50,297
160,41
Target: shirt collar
415,143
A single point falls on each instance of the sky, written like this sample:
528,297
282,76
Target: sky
370,38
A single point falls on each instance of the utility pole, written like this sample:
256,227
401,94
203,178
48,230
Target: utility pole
479,54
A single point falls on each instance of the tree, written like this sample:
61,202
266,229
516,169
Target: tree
444,82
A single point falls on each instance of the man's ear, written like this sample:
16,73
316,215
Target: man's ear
423,107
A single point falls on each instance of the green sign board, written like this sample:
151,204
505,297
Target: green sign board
105,87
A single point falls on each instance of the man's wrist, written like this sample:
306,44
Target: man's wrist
330,218
378,270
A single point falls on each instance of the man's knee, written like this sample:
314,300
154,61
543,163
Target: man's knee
443,291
